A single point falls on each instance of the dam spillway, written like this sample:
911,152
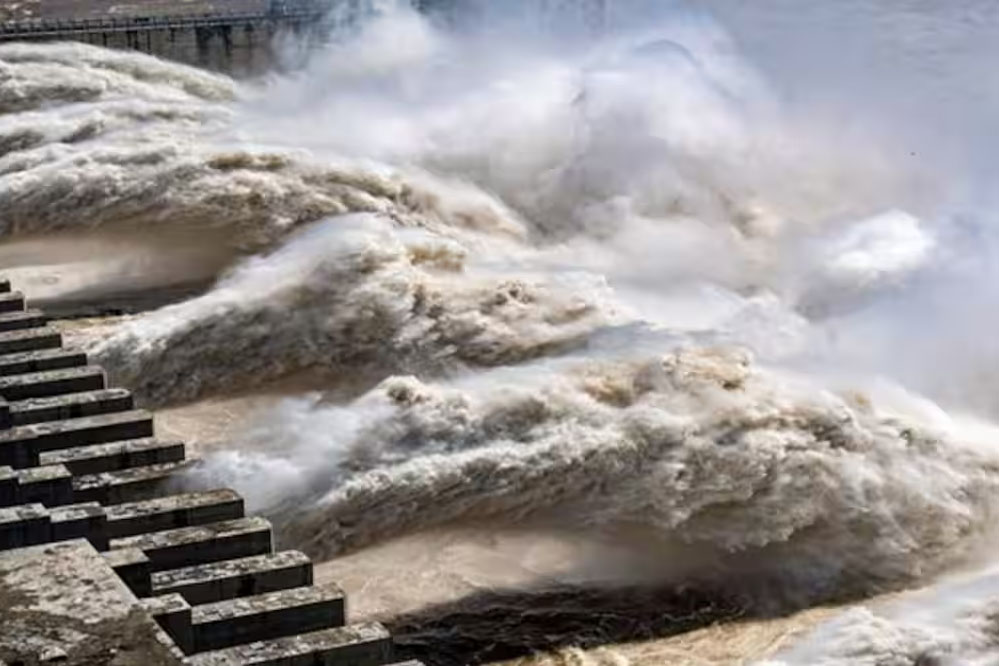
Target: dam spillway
236,38
104,558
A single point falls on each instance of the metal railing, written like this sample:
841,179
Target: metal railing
278,13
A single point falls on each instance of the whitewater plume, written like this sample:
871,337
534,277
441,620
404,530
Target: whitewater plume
148,150
36,75
696,449
950,623
346,296
597,189
589,149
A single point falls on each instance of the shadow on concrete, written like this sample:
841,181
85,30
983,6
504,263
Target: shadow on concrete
497,625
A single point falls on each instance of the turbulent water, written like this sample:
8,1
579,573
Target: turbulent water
605,278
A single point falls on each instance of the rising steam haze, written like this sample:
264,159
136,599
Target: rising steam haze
717,282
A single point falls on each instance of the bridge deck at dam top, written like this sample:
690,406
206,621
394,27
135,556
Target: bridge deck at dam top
236,37
277,13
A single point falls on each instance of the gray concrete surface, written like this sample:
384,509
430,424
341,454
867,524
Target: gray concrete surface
61,602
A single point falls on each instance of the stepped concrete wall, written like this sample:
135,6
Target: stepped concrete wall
102,560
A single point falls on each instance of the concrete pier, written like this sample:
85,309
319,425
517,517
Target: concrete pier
29,339
173,512
104,558
80,521
133,567
38,361
353,645
51,485
127,485
73,406
173,614
183,547
9,487
15,321
51,383
24,525
21,446
11,301
287,612
115,456
219,581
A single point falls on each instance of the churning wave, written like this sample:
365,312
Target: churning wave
758,472
442,266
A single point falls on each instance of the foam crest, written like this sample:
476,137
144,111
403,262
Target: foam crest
950,623
696,449
34,75
351,295
594,181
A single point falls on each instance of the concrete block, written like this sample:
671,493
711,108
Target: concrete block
50,485
80,521
133,567
20,446
15,321
126,485
173,614
29,339
51,383
11,301
354,645
115,456
174,512
63,605
71,406
219,581
272,615
187,546
38,361
8,487
24,525
17,453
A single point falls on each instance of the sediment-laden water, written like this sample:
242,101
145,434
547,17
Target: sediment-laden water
635,281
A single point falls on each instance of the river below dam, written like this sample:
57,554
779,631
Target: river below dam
663,337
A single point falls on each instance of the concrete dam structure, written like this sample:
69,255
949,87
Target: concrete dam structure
237,38
105,560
